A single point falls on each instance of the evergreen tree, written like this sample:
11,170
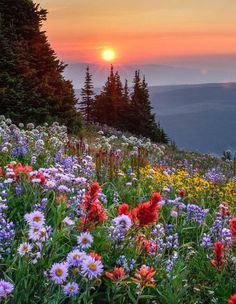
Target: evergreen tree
114,107
32,87
109,103
86,104
142,120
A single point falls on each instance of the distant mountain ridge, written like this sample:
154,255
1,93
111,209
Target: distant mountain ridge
200,117
188,71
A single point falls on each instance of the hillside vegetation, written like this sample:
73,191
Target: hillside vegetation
112,219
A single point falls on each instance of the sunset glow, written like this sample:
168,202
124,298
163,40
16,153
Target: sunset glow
140,31
108,55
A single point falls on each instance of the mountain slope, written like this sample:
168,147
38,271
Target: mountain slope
198,117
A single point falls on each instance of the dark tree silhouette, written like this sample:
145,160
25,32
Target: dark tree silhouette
32,87
87,97
115,107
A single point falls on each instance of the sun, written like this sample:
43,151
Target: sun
108,55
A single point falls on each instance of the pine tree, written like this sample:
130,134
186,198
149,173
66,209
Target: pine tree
32,87
87,103
142,119
109,103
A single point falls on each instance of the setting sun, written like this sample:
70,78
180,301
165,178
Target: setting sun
108,55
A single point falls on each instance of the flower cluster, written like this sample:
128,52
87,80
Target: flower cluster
218,261
93,211
6,289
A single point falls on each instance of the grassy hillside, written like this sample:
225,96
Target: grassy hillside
110,218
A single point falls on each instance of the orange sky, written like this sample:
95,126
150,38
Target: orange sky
140,31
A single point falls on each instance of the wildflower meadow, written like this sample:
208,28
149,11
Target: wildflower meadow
109,218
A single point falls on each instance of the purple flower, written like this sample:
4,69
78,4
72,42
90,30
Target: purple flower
35,219
71,289
123,262
5,288
226,237
215,176
59,272
123,222
24,248
91,268
68,221
7,234
206,241
196,214
40,234
18,190
75,257
85,240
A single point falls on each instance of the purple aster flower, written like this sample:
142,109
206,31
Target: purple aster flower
123,222
24,248
35,219
59,272
76,257
63,188
91,268
5,288
50,184
40,234
85,240
68,221
71,289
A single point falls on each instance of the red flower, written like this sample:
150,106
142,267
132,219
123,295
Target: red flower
124,209
61,198
147,213
181,193
96,256
19,169
1,175
233,226
218,261
232,300
118,274
92,208
149,246
144,276
94,191
41,177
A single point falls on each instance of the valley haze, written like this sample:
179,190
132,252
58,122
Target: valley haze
198,115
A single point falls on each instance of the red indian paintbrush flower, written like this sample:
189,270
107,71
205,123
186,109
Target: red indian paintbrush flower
233,226
61,198
147,213
96,256
233,230
124,209
92,208
232,300
1,174
218,261
144,276
118,274
19,169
